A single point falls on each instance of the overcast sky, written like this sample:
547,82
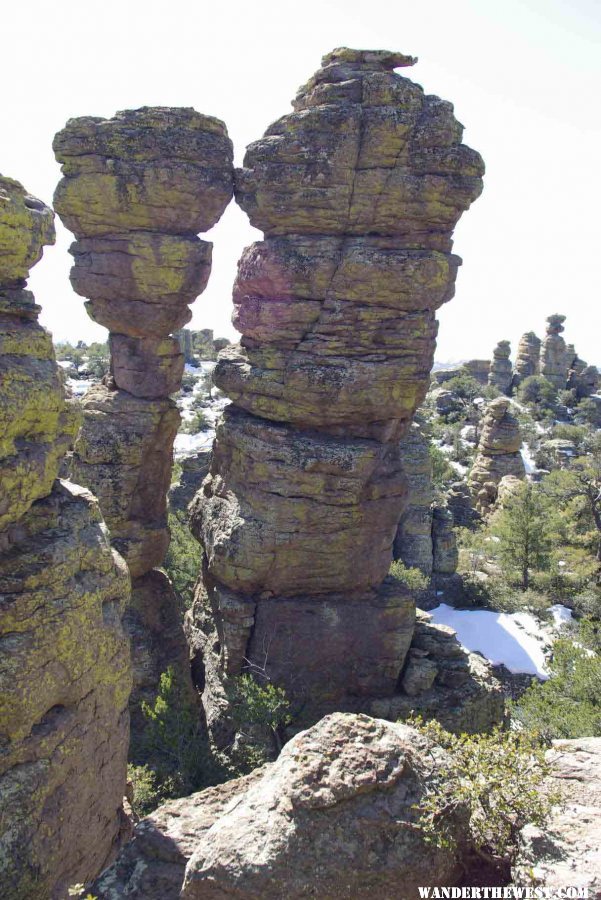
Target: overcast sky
524,76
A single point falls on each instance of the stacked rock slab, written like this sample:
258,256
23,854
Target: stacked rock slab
554,359
527,361
64,659
136,191
501,371
498,454
358,191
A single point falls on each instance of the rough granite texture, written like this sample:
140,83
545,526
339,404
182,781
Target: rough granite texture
501,371
357,191
527,361
498,454
413,539
136,190
333,817
64,659
555,356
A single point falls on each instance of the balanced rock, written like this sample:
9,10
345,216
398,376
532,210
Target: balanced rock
498,454
307,812
136,190
554,359
501,371
527,361
64,661
358,191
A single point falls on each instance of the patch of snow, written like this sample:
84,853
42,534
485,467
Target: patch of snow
65,364
515,639
187,444
529,463
79,386
462,470
561,614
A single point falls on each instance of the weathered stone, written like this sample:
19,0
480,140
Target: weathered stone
65,683
150,169
146,367
357,191
566,850
413,540
527,361
478,369
307,812
419,674
140,283
459,502
445,554
554,359
26,226
124,455
501,371
498,454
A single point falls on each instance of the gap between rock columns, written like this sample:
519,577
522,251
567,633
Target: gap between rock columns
136,190
357,191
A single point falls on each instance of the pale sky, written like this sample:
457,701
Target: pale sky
524,76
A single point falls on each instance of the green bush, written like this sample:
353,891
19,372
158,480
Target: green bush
258,707
412,578
443,473
182,562
539,394
568,705
497,777
199,422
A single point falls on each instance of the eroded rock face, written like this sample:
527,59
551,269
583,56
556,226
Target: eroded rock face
527,361
64,659
413,540
358,191
498,454
307,813
501,371
136,190
555,356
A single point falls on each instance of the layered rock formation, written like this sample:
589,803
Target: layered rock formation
413,539
554,358
498,454
136,190
501,370
64,659
358,191
308,813
527,361
478,369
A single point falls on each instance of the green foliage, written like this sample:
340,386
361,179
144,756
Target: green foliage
198,422
522,530
497,778
539,394
464,386
172,743
146,793
413,579
568,705
257,708
588,412
182,562
443,473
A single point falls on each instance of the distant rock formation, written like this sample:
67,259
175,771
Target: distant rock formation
136,190
425,539
501,371
358,191
195,468
554,359
498,454
527,361
307,812
64,659
478,369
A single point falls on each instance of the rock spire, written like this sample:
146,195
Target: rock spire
498,454
357,191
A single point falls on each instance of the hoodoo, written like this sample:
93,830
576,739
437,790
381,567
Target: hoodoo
64,659
358,191
136,190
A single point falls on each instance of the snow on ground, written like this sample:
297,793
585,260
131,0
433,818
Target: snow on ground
79,386
187,444
518,640
529,463
462,470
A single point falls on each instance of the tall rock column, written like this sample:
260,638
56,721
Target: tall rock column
527,361
357,191
498,454
501,372
554,359
136,191
64,659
